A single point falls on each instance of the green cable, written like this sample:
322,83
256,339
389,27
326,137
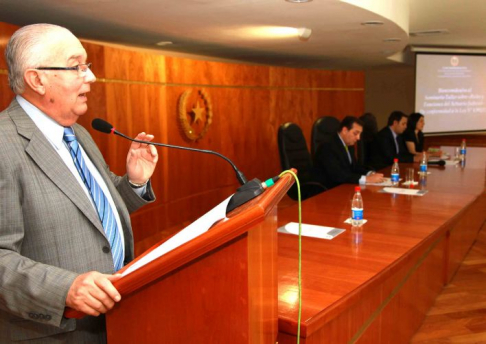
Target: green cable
300,251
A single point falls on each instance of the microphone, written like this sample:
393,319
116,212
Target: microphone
437,163
107,128
244,193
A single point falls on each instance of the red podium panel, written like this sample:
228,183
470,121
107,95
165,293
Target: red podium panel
221,287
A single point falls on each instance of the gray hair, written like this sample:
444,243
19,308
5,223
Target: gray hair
25,50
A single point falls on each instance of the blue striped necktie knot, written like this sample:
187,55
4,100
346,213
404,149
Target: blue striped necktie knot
105,213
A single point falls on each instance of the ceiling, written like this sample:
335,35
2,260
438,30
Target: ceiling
234,30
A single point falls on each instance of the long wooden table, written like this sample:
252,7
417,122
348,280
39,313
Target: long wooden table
375,283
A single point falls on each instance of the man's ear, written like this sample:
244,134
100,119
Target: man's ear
35,81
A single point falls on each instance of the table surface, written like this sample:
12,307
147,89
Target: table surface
334,271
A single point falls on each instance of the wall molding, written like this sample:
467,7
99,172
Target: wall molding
168,84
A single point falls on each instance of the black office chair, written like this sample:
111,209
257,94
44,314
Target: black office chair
294,154
365,144
322,129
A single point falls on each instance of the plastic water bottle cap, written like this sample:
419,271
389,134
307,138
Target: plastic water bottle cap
395,160
357,188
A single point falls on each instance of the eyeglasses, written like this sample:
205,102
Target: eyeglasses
82,69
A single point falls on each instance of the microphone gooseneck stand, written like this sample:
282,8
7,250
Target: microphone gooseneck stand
247,191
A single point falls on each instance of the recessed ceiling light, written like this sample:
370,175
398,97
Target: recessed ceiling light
391,40
163,43
271,32
298,1
304,33
429,32
372,23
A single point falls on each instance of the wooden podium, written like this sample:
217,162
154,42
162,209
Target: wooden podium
221,287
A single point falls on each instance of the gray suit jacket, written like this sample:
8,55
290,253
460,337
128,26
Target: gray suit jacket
50,232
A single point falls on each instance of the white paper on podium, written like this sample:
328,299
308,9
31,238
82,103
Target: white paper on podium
192,231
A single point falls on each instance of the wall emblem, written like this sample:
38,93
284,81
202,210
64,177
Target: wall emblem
454,61
195,114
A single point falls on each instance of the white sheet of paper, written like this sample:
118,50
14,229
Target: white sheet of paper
192,231
385,182
313,231
402,191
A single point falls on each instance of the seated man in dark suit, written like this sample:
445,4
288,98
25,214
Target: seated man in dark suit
335,158
389,143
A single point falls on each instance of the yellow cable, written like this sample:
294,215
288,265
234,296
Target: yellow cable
300,251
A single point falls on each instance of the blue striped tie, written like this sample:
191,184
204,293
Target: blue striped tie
105,213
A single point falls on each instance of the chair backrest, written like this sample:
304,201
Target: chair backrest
370,128
322,129
293,150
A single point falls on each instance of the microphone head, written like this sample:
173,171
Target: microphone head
101,125
437,163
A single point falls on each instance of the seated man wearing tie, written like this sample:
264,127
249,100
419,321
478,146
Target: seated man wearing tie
335,158
64,217
389,143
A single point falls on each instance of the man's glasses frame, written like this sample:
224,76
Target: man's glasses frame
82,68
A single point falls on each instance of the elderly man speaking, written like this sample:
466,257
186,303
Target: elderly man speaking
64,217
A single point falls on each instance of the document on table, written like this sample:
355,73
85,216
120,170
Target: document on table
402,191
410,183
385,182
192,231
312,231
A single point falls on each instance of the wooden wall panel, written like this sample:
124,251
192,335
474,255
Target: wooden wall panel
6,94
139,91
6,30
215,74
132,66
322,79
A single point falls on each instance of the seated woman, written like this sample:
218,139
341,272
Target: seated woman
413,136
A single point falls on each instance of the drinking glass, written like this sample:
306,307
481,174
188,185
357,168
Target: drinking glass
409,177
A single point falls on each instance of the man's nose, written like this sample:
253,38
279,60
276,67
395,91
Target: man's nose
89,77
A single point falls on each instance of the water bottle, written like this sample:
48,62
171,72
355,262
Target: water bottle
423,163
423,181
395,173
357,208
462,152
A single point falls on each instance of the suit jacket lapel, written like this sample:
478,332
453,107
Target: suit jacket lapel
49,162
